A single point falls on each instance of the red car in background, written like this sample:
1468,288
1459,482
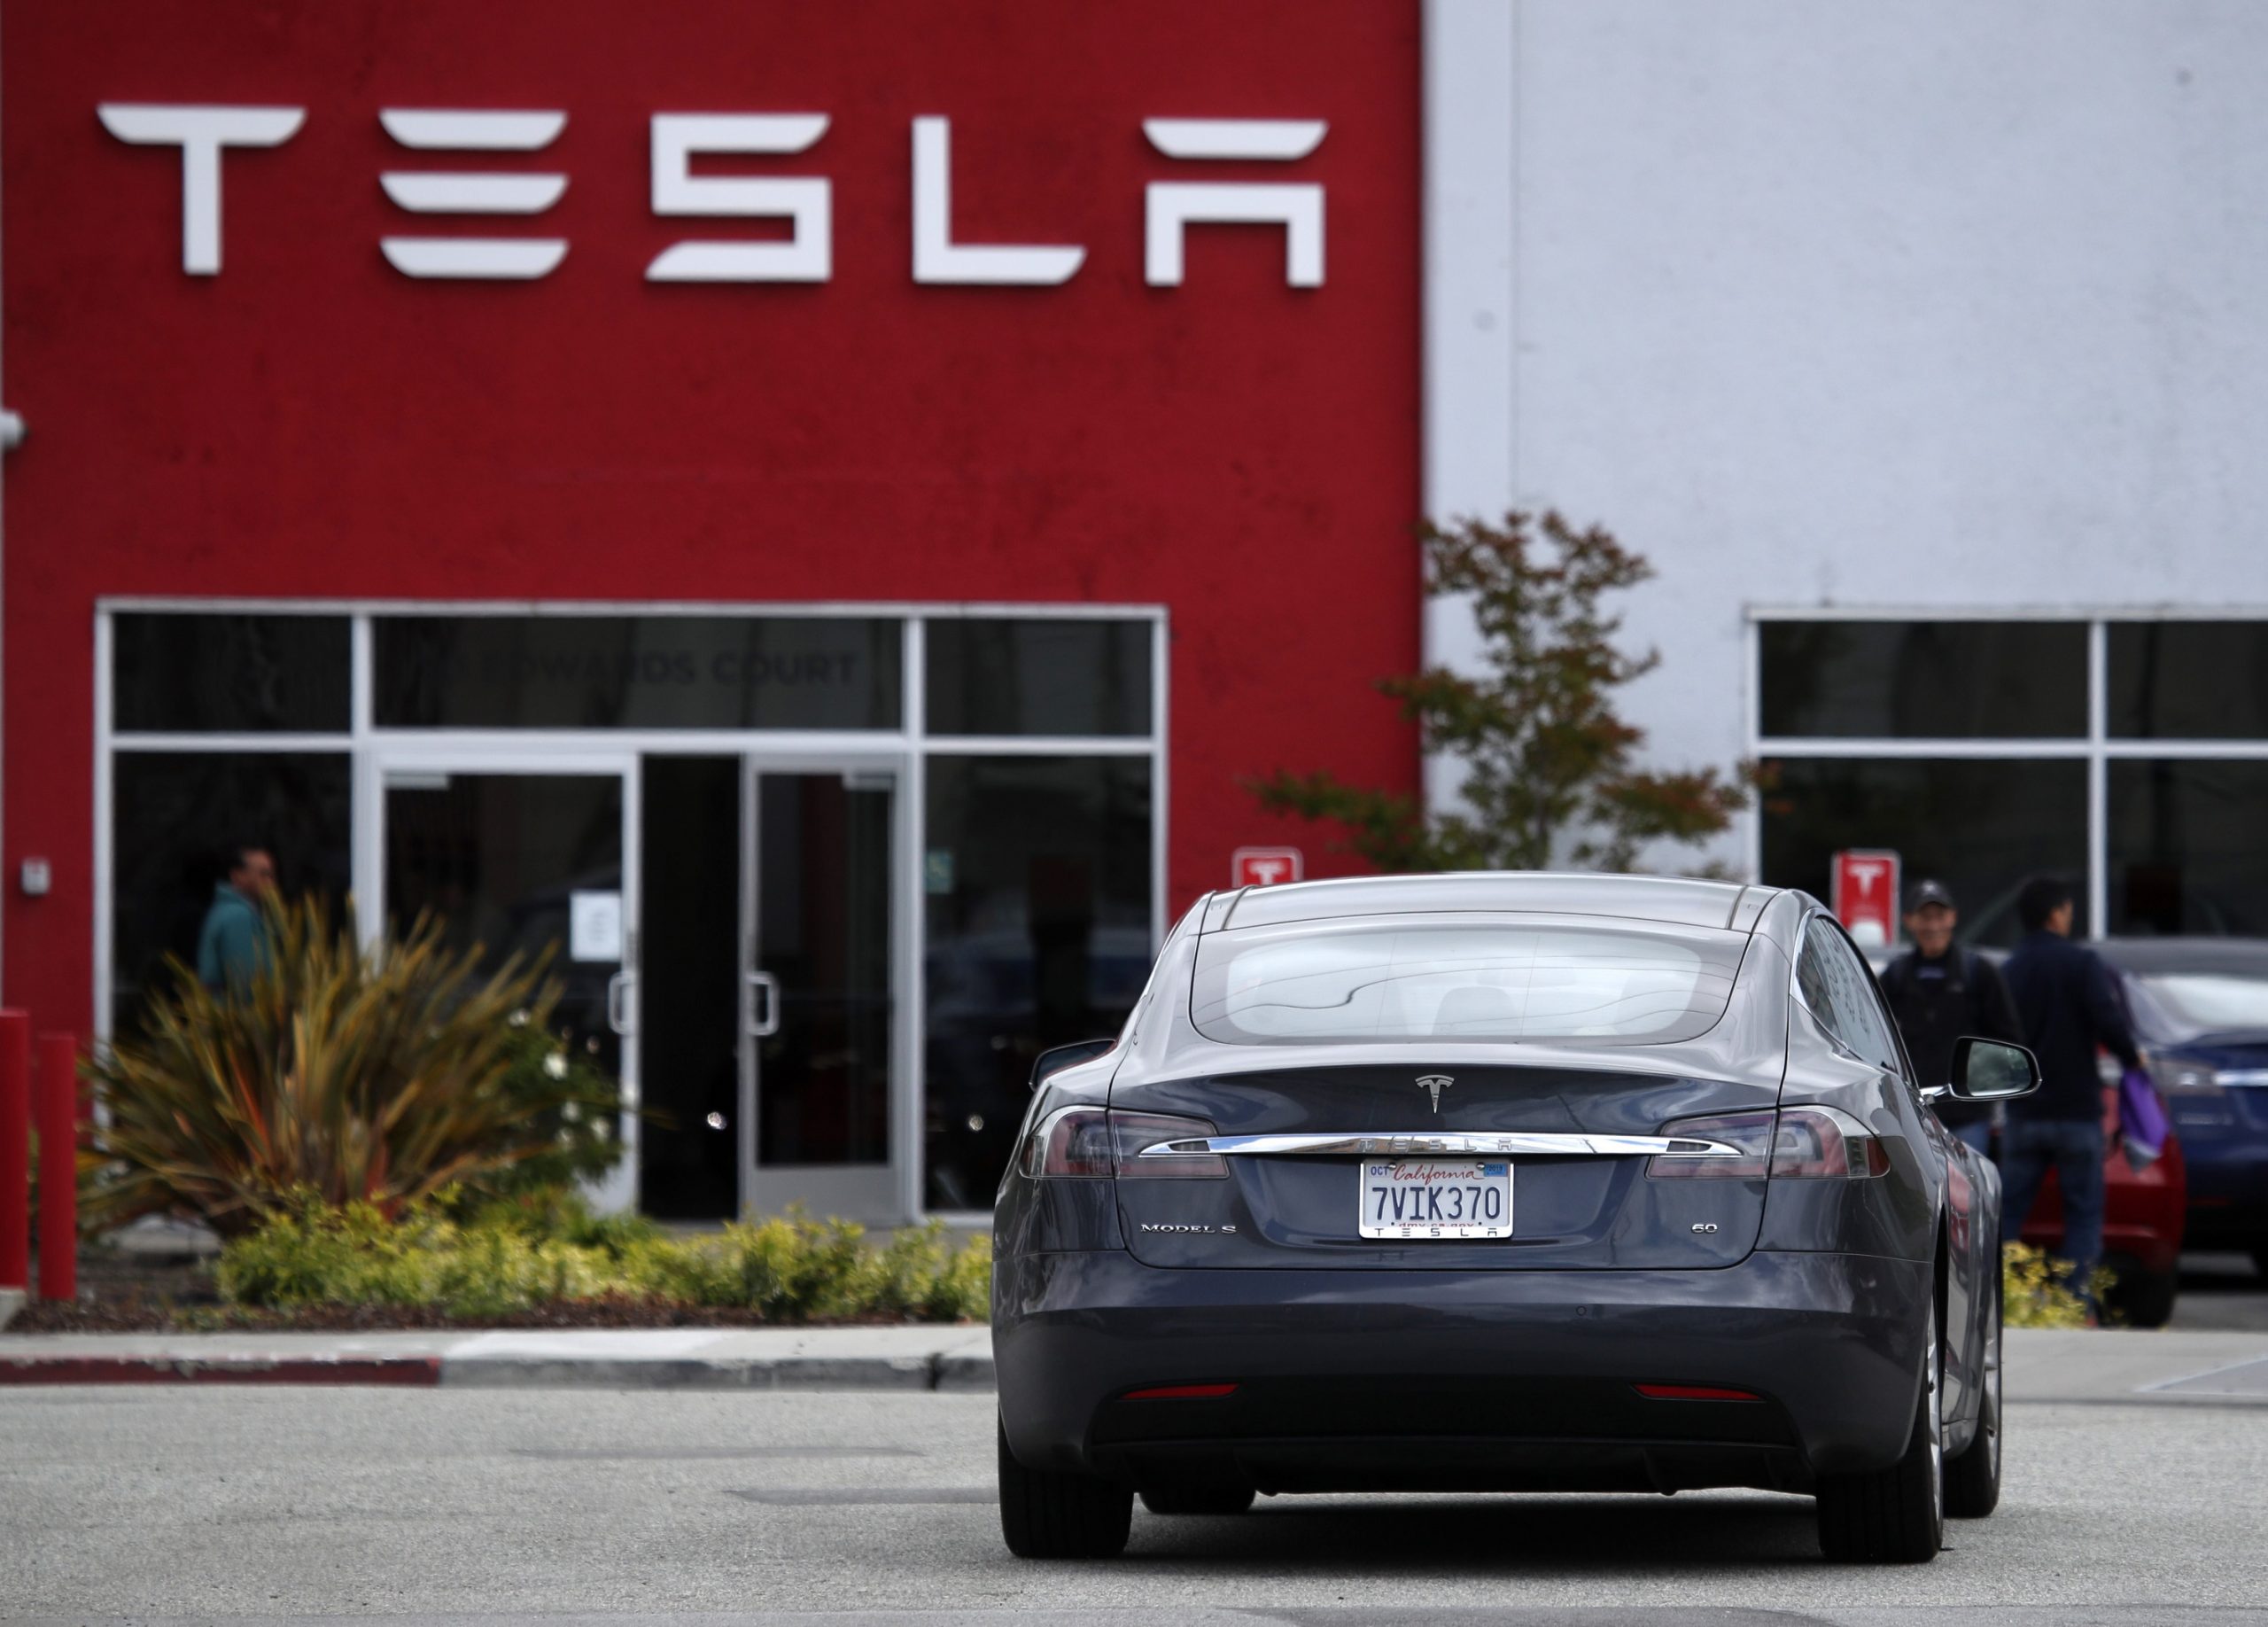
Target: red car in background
2143,1213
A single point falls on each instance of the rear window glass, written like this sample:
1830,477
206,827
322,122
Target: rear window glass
1394,983
2191,1004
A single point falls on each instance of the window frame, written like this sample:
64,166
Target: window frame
366,744
2097,749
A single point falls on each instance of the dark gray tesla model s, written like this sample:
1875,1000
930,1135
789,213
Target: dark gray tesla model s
1500,1182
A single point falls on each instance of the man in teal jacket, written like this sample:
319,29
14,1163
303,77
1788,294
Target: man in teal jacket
233,940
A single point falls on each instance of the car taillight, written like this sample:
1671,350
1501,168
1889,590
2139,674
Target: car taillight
1819,1143
1723,1147
1795,1143
1159,1146
1089,1143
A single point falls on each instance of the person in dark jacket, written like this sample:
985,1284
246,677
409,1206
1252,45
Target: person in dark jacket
233,940
1939,992
2068,1009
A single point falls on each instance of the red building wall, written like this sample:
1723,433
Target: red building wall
311,422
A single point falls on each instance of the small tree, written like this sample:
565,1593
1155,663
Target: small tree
1548,759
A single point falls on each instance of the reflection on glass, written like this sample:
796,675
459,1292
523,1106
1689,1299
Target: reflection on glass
176,819
1029,676
636,672
228,673
2186,852
2188,680
1037,880
1983,828
1924,680
823,931
1291,986
500,858
2187,1006
1994,1070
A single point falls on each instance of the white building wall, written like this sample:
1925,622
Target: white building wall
1958,305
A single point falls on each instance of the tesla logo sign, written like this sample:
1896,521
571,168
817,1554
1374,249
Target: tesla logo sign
805,203
1866,895
1265,866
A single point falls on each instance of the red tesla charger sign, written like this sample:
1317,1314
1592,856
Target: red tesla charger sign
1866,895
1265,867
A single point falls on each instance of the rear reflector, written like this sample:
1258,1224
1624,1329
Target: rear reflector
1180,1392
1693,1392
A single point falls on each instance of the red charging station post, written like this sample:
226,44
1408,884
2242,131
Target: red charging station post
58,1167
15,1149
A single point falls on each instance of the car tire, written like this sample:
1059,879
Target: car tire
1198,1497
2260,1259
1049,1515
1894,1515
1973,1479
2140,1298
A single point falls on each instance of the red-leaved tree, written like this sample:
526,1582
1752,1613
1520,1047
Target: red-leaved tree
1548,762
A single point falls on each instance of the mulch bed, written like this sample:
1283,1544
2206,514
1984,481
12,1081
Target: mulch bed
122,1294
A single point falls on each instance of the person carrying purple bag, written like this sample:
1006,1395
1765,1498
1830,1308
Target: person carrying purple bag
2064,998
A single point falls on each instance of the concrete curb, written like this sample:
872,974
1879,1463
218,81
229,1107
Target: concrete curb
422,1373
911,1359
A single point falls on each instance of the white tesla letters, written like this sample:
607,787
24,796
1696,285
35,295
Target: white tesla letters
463,192
1173,205
936,258
806,255
200,133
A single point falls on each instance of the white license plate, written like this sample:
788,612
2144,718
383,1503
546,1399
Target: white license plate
1436,1197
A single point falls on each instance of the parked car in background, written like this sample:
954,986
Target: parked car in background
2200,1008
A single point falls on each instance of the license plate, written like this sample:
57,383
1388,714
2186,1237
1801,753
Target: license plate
1427,1198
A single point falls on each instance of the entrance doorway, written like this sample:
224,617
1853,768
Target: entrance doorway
823,1028
523,857
776,949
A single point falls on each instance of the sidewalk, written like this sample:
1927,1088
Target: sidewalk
923,1358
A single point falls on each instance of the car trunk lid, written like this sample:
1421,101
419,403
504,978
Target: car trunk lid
1577,1140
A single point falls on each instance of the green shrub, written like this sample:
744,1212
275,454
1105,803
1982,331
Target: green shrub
2034,1293
376,1077
470,1258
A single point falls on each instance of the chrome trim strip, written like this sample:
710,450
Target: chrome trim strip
1539,1142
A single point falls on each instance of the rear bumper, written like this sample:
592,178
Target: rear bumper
2228,1190
1461,1380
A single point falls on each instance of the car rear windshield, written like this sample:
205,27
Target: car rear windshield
1393,982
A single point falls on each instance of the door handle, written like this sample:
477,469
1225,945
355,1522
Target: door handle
621,1010
762,1004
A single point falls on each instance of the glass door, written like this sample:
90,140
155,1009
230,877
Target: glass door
527,856
824,1071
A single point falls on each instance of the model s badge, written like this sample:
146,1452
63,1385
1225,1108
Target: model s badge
1436,1083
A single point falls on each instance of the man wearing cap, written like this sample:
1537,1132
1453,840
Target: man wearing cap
1939,992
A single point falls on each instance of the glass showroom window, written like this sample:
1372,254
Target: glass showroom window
225,729
1037,867
2130,756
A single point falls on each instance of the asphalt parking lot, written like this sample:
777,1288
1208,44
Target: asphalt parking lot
2123,1502
2221,1291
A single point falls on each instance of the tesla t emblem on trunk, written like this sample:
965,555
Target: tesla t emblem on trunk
1436,1083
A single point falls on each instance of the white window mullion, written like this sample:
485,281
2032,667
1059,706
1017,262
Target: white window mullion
2097,888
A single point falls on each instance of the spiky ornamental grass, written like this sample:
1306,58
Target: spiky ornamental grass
372,1075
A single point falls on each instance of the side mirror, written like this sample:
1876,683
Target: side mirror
1992,1070
1064,1056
